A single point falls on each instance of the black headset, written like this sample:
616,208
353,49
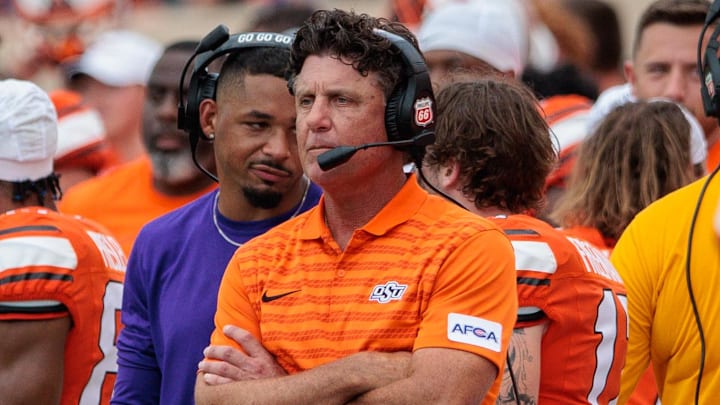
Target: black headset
203,83
410,111
709,71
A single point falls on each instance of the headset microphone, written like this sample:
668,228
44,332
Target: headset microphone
341,154
337,156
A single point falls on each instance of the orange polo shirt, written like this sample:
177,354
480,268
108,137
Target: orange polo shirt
413,277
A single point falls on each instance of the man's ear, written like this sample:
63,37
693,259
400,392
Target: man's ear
449,176
629,69
208,113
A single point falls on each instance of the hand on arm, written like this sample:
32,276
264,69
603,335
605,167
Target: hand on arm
31,360
524,361
336,382
227,364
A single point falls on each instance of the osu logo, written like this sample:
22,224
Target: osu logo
390,291
474,330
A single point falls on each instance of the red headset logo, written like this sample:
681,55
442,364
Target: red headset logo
423,112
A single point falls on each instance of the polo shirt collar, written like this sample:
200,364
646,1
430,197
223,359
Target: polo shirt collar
401,208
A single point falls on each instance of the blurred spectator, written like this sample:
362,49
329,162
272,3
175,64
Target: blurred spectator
588,36
83,152
619,95
59,30
639,153
130,195
281,16
664,61
111,76
567,116
479,36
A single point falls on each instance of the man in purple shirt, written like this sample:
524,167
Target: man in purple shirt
178,259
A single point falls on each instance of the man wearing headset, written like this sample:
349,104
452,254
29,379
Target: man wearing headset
178,260
382,293
669,258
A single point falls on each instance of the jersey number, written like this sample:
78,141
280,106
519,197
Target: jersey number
112,302
606,325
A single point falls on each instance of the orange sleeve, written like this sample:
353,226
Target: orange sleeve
234,307
474,303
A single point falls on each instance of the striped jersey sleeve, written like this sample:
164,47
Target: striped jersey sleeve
573,289
53,265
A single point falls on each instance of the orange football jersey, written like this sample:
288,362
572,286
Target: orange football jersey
573,288
54,265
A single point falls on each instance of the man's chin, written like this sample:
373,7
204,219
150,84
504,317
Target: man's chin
174,169
266,199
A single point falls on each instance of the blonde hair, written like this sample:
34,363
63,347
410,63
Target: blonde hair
638,153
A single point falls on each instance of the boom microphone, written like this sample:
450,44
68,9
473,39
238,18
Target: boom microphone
337,156
341,154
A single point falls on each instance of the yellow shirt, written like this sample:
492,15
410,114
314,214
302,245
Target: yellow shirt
651,256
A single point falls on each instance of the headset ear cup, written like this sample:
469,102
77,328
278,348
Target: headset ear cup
208,87
201,87
392,115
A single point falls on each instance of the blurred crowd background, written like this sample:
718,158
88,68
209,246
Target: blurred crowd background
25,25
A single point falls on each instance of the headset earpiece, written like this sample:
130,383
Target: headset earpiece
710,90
410,109
392,114
709,68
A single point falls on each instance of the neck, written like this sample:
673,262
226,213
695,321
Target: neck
353,208
469,205
127,148
712,137
195,185
7,203
491,212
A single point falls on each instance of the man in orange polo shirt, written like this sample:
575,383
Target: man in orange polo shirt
382,293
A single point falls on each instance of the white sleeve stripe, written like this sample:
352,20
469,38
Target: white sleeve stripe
25,251
534,256
30,304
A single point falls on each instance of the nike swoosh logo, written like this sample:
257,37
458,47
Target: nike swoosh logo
268,298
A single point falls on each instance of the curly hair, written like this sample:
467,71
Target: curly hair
638,153
493,129
349,37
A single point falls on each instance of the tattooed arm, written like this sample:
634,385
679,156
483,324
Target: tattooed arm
524,358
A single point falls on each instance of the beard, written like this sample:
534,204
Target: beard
262,199
174,167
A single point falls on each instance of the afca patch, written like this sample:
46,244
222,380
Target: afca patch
474,331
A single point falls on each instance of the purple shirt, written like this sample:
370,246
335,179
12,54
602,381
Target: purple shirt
170,297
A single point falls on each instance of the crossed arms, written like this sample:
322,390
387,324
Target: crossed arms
431,375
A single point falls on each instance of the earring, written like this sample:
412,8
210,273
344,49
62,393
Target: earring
211,135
